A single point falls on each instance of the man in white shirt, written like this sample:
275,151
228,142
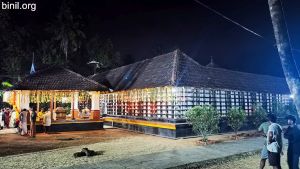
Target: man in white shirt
47,121
274,142
264,127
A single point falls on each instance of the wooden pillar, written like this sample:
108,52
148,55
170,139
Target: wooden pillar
54,101
51,105
18,104
73,101
37,101
74,105
14,98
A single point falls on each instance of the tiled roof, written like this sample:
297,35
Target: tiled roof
178,69
58,78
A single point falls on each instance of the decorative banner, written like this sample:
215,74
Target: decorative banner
7,97
45,96
84,96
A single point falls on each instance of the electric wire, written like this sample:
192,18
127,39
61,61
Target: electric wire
225,17
253,32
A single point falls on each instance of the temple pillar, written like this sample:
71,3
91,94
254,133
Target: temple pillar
74,105
38,102
51,105
95,109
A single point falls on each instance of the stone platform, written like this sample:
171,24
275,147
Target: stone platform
170,129
72,125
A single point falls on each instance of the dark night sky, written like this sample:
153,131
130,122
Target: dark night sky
137,27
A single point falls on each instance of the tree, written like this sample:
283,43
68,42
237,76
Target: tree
205,120
67,31
49,53
291,109
236,117
4,85
12,66
278,109
103,52
258,116
14,47
284,50
4,23
281,110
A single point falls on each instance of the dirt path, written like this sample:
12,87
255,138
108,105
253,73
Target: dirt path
114,143
11,144
15,144
24,152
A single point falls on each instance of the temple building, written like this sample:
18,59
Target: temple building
149,96
152,95
72,99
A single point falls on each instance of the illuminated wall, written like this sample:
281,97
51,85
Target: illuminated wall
173,102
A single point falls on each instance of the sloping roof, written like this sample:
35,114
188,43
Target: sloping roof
57,78
178,69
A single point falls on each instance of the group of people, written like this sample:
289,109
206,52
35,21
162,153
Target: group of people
27,117
42,116
11,118
8,118
273,146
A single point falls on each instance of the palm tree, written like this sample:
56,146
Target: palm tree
103,52
284,49
67,31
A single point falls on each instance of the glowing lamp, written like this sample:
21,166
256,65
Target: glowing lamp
64,99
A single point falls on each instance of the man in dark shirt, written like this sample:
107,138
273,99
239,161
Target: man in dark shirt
32,122
292,133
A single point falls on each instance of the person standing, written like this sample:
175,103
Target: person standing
33,116
1,119
264,151
274,142
23,121
40,115
292,134
6,117
13,118
47,121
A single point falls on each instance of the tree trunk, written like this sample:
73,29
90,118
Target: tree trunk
284,50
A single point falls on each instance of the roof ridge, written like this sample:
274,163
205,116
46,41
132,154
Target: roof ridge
177,72
235,71
175,66
190,58
79,75
91,76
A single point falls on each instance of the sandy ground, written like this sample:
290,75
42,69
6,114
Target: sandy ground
15,144
115,143
60,147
